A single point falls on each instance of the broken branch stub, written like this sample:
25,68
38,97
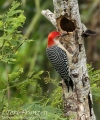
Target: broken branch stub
50,16
66,18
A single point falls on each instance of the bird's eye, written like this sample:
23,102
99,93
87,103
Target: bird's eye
57,36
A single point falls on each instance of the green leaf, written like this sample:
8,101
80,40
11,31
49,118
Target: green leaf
14,75
38,75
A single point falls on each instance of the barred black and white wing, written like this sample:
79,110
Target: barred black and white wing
59,60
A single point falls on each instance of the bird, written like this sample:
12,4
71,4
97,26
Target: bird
59,57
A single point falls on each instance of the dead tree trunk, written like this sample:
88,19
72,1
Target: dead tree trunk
66,18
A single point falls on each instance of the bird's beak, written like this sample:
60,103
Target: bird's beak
64,34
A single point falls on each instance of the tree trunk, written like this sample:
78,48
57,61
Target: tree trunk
66,18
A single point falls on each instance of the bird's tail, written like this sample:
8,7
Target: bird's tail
69,83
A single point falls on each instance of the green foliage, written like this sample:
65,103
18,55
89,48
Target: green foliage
19,83
55,98
11,38
15,75
94,76
46,113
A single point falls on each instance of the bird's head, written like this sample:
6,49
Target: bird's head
53,37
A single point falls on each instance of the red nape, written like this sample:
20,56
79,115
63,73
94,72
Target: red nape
51,37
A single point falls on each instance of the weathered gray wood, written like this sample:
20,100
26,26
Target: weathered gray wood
66,18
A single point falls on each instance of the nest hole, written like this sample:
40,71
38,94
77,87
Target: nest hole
67,25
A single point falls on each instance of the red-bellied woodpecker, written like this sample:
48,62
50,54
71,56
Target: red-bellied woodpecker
59,57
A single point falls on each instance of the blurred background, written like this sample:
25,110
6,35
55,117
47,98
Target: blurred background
32,56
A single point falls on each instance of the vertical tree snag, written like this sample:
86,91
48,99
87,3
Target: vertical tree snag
66,18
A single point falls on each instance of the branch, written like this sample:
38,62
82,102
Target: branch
50,16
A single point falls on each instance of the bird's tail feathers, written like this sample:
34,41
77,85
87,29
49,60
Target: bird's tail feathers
69,83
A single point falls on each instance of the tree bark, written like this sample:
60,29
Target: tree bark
66,18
